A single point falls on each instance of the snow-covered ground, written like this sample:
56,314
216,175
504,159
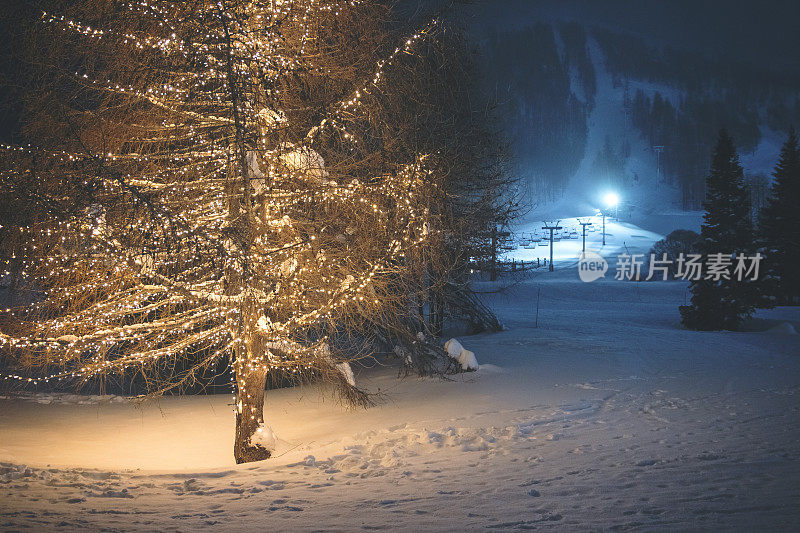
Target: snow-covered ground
608,416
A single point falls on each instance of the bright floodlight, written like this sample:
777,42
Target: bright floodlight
611,199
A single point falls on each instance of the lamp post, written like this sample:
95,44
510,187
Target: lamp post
612,201
604,227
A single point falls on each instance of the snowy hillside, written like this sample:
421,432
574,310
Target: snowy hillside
608,415
607,119
646,189
588,107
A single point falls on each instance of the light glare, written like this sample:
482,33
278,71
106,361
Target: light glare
611,199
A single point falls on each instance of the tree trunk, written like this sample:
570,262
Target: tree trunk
249,417
437,313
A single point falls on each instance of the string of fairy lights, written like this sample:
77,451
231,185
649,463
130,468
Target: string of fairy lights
118,299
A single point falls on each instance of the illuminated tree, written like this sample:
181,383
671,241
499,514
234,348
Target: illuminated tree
217,186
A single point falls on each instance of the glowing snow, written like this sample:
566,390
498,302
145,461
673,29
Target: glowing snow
306,162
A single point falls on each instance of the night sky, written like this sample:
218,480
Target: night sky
760,34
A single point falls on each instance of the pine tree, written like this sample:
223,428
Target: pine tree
224,188
779,227
727,229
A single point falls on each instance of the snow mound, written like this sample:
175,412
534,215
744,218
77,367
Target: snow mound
468,361
456,351
453,348
265,437
784,328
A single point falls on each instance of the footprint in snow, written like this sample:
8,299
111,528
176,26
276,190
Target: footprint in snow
710,457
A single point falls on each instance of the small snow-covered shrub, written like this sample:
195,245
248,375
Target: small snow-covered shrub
464,357
468,361
453,348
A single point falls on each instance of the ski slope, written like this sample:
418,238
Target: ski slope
645,190
620,236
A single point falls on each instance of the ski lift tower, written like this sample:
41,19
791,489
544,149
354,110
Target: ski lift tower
584,224
658,149
552,229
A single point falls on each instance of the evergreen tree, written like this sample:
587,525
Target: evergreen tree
727,229
779,227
